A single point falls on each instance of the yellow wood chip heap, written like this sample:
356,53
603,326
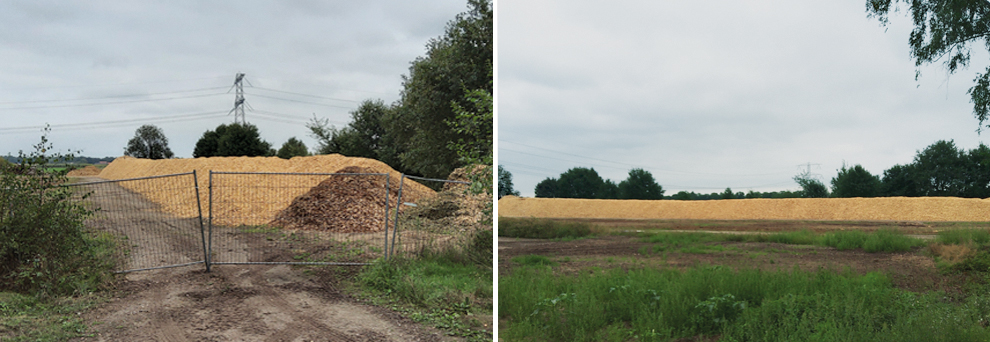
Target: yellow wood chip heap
89,170
263,203
826,209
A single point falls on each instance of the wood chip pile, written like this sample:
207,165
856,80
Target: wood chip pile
826,209
340,204
88,170
244,199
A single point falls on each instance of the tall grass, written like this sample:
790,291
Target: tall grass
872,242
745,305
449,288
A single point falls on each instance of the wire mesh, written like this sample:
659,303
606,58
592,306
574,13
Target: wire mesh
446,220
297,218
148,236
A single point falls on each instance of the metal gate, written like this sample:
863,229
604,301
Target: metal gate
332,218
157,221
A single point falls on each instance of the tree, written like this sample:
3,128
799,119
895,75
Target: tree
580,182
855,182
939,170
810,186
234,140
727,194
547,188
368,135
946,28
292,148
640,185
977,173
505,183
149,142
456,63
899,181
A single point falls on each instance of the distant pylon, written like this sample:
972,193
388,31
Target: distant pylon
239,99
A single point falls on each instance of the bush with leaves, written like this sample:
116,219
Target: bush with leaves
45,249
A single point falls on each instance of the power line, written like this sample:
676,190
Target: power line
118,84
113,97
113,102
306,95
112,123
299,101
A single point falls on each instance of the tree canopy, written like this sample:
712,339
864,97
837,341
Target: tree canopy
855,182
640,185
811,187
233,140
292,148
946,28
505,183
149,142
456,63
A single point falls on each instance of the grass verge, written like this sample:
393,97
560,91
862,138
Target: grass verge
535,303
25,318
451,290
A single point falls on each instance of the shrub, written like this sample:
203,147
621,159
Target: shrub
46,250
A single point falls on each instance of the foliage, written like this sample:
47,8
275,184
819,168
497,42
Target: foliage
898,181
292,148
367,135
547,188
939,169
445,289
533,228
640,185
456,64
25,318
505,183
233,140
579,182
810,186
946,28
45,249
539,303
149,142
855,182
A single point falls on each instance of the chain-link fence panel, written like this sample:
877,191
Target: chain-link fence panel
451,218
155,220
297,218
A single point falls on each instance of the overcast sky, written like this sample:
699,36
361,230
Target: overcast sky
713,94
97,70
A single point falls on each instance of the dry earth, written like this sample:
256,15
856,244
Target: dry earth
912,270
243,303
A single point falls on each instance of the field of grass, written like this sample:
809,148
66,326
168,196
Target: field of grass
535,303
543,298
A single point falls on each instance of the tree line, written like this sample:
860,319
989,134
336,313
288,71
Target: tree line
941,169
442,121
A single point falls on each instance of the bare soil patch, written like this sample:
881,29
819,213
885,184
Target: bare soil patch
236,302
914,270
244,303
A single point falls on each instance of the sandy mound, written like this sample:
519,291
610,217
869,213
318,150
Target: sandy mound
827,209
89,170
241,199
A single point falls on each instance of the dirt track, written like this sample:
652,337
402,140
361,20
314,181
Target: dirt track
239,303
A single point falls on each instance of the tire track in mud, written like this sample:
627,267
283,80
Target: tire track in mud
231,303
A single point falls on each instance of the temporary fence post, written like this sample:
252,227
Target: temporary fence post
209,243
202,233
398,204
387,179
